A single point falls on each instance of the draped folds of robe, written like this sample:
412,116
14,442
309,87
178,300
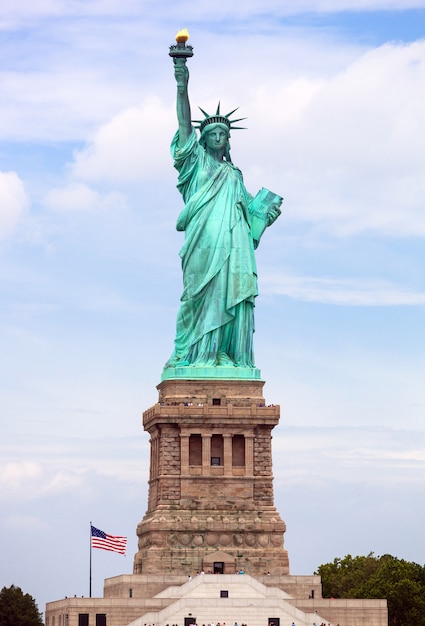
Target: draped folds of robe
216,319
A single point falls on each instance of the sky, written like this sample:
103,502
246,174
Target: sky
90,277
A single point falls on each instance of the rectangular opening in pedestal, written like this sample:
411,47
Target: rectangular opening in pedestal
273,621
215,460
195,449
238,451
216,401
224,593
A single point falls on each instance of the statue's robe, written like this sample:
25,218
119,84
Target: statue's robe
219,271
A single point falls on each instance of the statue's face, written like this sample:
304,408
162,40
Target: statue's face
216,139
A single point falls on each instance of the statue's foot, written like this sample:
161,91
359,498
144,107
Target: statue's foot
242,364
177,363
223,359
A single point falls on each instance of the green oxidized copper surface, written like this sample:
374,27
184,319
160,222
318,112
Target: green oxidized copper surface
192,372
223,225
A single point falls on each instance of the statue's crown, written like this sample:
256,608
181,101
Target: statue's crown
218,118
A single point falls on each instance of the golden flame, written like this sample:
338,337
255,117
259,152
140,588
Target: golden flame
182,36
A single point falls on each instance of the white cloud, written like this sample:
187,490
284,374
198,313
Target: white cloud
23,522
355,5
396,455
31,480
59,103
62,482
79,197
67,465
17,14
348,292
349,153
132,146
13,202
12,12
13,475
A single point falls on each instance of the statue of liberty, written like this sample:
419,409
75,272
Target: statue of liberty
223,224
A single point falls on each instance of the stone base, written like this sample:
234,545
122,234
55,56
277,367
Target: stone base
159,600
211,393
211,541
210,505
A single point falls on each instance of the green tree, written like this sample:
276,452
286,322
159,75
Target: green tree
401,582
18,608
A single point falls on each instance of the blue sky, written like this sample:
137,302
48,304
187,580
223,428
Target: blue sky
90,275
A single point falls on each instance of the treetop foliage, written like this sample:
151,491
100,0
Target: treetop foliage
18,609
401,582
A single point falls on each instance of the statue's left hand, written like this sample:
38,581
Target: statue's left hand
273,213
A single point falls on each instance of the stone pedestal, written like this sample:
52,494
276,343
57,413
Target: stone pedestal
211,510
210,504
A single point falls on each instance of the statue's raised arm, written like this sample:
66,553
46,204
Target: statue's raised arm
181,74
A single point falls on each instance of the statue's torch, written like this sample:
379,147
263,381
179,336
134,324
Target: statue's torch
179,51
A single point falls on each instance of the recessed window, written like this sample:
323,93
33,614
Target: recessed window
215,460
224,593
195,450
238,451
217,448
216,401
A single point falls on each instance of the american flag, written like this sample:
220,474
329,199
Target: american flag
102,540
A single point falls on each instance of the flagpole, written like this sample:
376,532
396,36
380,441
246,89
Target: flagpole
90,562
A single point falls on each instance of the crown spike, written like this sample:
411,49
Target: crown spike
231,112
204,112
218,109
